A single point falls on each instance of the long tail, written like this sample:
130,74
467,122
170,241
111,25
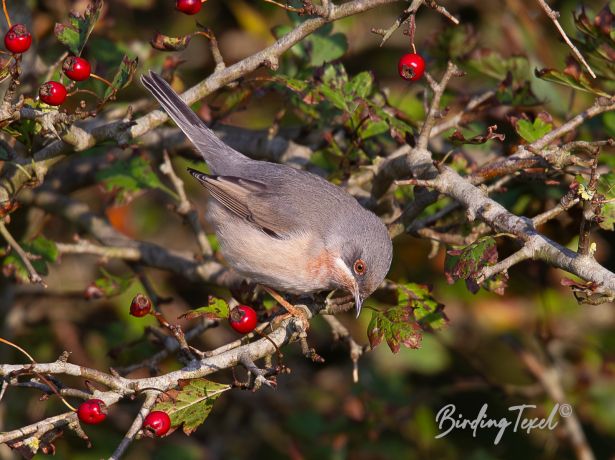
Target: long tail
215,152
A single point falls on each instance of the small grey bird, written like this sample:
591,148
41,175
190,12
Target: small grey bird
283,228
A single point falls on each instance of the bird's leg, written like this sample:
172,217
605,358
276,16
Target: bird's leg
297,312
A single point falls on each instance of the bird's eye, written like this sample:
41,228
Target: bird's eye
359,267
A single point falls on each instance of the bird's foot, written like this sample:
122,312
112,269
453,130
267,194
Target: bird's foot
293,310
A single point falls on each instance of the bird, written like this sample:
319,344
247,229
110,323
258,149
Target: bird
286,229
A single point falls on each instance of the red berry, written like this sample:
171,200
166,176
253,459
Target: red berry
52,93
140,306
92,411
76,68
158,422
17,40
188,6
411,67
243,319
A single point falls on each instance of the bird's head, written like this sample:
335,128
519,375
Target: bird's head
363,251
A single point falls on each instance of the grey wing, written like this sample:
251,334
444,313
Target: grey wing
216,153
248,200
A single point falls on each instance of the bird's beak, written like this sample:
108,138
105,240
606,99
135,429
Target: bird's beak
358,301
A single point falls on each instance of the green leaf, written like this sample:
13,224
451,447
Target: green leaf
373,128
466,263
360,85
190,406
109,285
43,247
494,65
323,48
75,34
334,96
122,78
42,250
217,309
532,131
582,81
403,324
130,176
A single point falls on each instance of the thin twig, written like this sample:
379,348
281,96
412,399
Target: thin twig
553,15
588,214
340,332
110,252
34,276
149,402
443,11
434,108
185,208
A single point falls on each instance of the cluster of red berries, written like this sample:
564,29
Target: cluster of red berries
18,40
189,6
94,411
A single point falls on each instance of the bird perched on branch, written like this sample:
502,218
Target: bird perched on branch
283,228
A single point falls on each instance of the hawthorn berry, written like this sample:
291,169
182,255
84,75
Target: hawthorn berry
52,93
188,6
243,319
140,306
76,68
158,422
92,411
18,40
411,66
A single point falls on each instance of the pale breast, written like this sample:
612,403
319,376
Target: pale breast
298,264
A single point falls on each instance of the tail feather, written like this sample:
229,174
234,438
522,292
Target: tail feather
215,152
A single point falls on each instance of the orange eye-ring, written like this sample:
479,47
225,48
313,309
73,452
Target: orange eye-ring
360,267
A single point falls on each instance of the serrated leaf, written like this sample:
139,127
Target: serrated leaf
466,263
190,406
122,78
217,309
75,34
532,131
130,176
111,285
163,42
403,324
